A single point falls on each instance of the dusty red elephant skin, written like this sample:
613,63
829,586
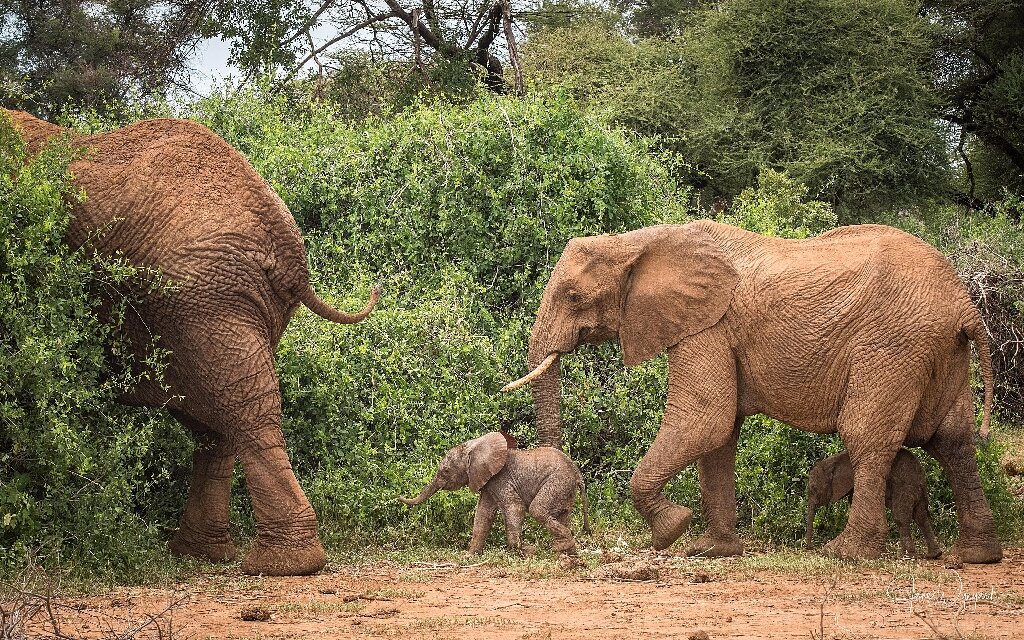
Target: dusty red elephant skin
863,330
172,195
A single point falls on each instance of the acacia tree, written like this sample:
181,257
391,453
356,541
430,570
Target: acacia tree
980,77
89,52
836,94
297,34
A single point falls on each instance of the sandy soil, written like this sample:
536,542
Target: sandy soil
786,595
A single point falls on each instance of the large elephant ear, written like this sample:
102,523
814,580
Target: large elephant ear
487,456
681,283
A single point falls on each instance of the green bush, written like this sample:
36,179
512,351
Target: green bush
461,211
836,94
81,477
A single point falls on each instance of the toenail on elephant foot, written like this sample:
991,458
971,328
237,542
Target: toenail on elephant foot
214,549
668,525
275,560
848,547
979,552
716,546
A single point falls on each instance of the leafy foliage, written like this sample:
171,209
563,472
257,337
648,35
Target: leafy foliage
73,53
78,472
461,210
835,94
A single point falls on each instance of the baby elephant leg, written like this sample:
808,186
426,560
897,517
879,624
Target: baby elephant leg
924,523
552,507
513,512
483,520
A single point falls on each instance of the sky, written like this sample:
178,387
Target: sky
209,64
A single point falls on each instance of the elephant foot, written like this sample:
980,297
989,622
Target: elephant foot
268,560
718,545
567,547
667,525
849,547
979,551
186,542
933,554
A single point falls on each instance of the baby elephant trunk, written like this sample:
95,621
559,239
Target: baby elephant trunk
428,491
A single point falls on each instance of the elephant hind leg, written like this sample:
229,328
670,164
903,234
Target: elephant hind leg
874,422
953,446
551,507
924,523
203,531
235,390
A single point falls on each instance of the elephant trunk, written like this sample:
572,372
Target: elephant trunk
547,399
428,491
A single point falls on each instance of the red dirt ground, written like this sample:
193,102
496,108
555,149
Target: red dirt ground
786,595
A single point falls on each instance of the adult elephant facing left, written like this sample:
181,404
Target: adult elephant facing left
172,195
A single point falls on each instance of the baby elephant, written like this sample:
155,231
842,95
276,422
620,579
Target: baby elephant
906,494
540,481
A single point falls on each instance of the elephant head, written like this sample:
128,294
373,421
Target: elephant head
470,464
649,288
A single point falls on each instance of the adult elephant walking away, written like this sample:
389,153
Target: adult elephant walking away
864,330
172,195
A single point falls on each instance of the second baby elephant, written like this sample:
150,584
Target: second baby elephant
541,482
906,494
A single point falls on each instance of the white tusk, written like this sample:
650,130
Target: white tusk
533,375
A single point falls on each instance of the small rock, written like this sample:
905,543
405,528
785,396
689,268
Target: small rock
952,561
728,618
328,591
356,622
700,577
608,557
699,635
255,613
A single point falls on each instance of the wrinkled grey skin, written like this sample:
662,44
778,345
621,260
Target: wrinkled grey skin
541,482
906,494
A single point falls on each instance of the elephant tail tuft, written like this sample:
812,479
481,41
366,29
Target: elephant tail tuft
975,329
317,305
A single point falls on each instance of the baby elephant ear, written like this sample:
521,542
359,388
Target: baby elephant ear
487,456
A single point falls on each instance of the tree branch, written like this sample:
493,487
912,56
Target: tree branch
309,23
341,36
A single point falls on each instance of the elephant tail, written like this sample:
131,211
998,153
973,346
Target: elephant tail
586,504
976,331
317,305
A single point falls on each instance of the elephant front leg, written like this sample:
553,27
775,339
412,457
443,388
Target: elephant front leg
718,497
203,531
699,419
483,520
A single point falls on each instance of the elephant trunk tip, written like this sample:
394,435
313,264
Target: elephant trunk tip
533,375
